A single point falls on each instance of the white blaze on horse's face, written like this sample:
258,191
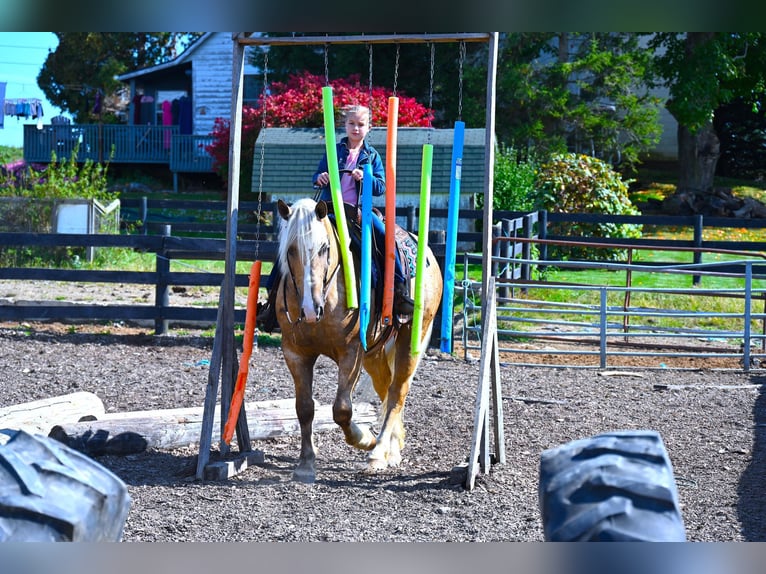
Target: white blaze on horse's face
314,263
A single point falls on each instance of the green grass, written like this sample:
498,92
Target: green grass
657,185
10,154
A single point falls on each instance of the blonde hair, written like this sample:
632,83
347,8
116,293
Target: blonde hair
357,110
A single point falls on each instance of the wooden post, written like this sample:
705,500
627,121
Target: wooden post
224,355
162,289
489,384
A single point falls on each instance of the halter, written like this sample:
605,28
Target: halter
328,277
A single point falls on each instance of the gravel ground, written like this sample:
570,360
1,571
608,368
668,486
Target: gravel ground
713,424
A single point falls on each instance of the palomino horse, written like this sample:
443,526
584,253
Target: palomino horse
314,319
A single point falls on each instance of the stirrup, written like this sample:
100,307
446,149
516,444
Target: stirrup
403,303
265,317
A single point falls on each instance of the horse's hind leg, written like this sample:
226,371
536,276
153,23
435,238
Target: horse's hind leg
391,436
302,370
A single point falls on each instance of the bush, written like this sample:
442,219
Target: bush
34,190
741,130
576,183
514,180
298,103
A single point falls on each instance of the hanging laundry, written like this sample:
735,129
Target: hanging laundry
185,115
167,120
2,99
23,107
97,104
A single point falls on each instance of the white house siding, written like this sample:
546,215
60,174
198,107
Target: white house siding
211,64
667,148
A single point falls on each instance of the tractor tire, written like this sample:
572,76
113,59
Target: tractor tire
50,493
617,486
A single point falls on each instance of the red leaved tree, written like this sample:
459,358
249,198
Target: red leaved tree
298,103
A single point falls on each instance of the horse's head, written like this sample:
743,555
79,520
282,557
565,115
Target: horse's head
308,257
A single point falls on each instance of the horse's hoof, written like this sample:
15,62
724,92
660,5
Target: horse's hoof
304,474
394,459
376,465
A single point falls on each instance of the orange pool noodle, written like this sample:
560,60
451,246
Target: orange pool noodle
247,348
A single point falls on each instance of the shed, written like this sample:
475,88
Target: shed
291,156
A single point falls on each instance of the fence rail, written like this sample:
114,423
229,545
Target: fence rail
605,323
195,230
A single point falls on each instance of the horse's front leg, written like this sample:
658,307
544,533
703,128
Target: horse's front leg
302,370
349,370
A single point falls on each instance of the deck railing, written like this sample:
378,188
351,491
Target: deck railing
118,143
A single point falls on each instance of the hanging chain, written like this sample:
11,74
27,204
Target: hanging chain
396,69
431,93
326,65
431,84
263,150
460,82
369,73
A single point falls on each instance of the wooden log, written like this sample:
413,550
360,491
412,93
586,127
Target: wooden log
121,433
37,417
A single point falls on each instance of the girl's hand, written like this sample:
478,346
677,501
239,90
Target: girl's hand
323,179
357,174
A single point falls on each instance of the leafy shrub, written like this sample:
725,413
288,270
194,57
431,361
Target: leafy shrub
58,180
34,190
298,103
741,130
576,183
514,182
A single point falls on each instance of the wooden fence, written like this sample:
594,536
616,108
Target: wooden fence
195,230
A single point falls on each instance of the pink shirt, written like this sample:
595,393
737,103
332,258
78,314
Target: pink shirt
347,183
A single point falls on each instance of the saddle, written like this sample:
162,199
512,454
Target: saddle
406,244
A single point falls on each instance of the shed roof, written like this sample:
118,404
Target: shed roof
291,156
377,137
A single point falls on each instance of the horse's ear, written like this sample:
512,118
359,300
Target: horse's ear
283,208
321,209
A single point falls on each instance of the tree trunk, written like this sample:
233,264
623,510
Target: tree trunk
698,154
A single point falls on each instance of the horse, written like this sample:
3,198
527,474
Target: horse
315,321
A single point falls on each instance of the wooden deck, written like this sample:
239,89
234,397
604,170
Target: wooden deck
119,144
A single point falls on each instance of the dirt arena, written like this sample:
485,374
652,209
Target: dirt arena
713,424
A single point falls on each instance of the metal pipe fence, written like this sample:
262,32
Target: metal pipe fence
623,326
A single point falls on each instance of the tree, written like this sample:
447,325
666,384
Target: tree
703,71
82,69
576,91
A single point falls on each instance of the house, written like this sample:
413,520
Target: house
202,74
172,112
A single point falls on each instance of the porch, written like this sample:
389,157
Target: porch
119,143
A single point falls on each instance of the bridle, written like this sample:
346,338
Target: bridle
329,275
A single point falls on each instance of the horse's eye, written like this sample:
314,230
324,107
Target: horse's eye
324,249
291,250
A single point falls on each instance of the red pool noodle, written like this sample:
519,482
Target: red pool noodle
390,244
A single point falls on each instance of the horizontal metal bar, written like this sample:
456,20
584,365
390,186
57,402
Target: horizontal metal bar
363,39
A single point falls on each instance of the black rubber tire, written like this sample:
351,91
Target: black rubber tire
50,493
617,486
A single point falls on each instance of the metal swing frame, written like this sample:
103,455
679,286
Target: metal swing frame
223,362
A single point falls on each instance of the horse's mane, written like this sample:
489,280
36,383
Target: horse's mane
303,229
